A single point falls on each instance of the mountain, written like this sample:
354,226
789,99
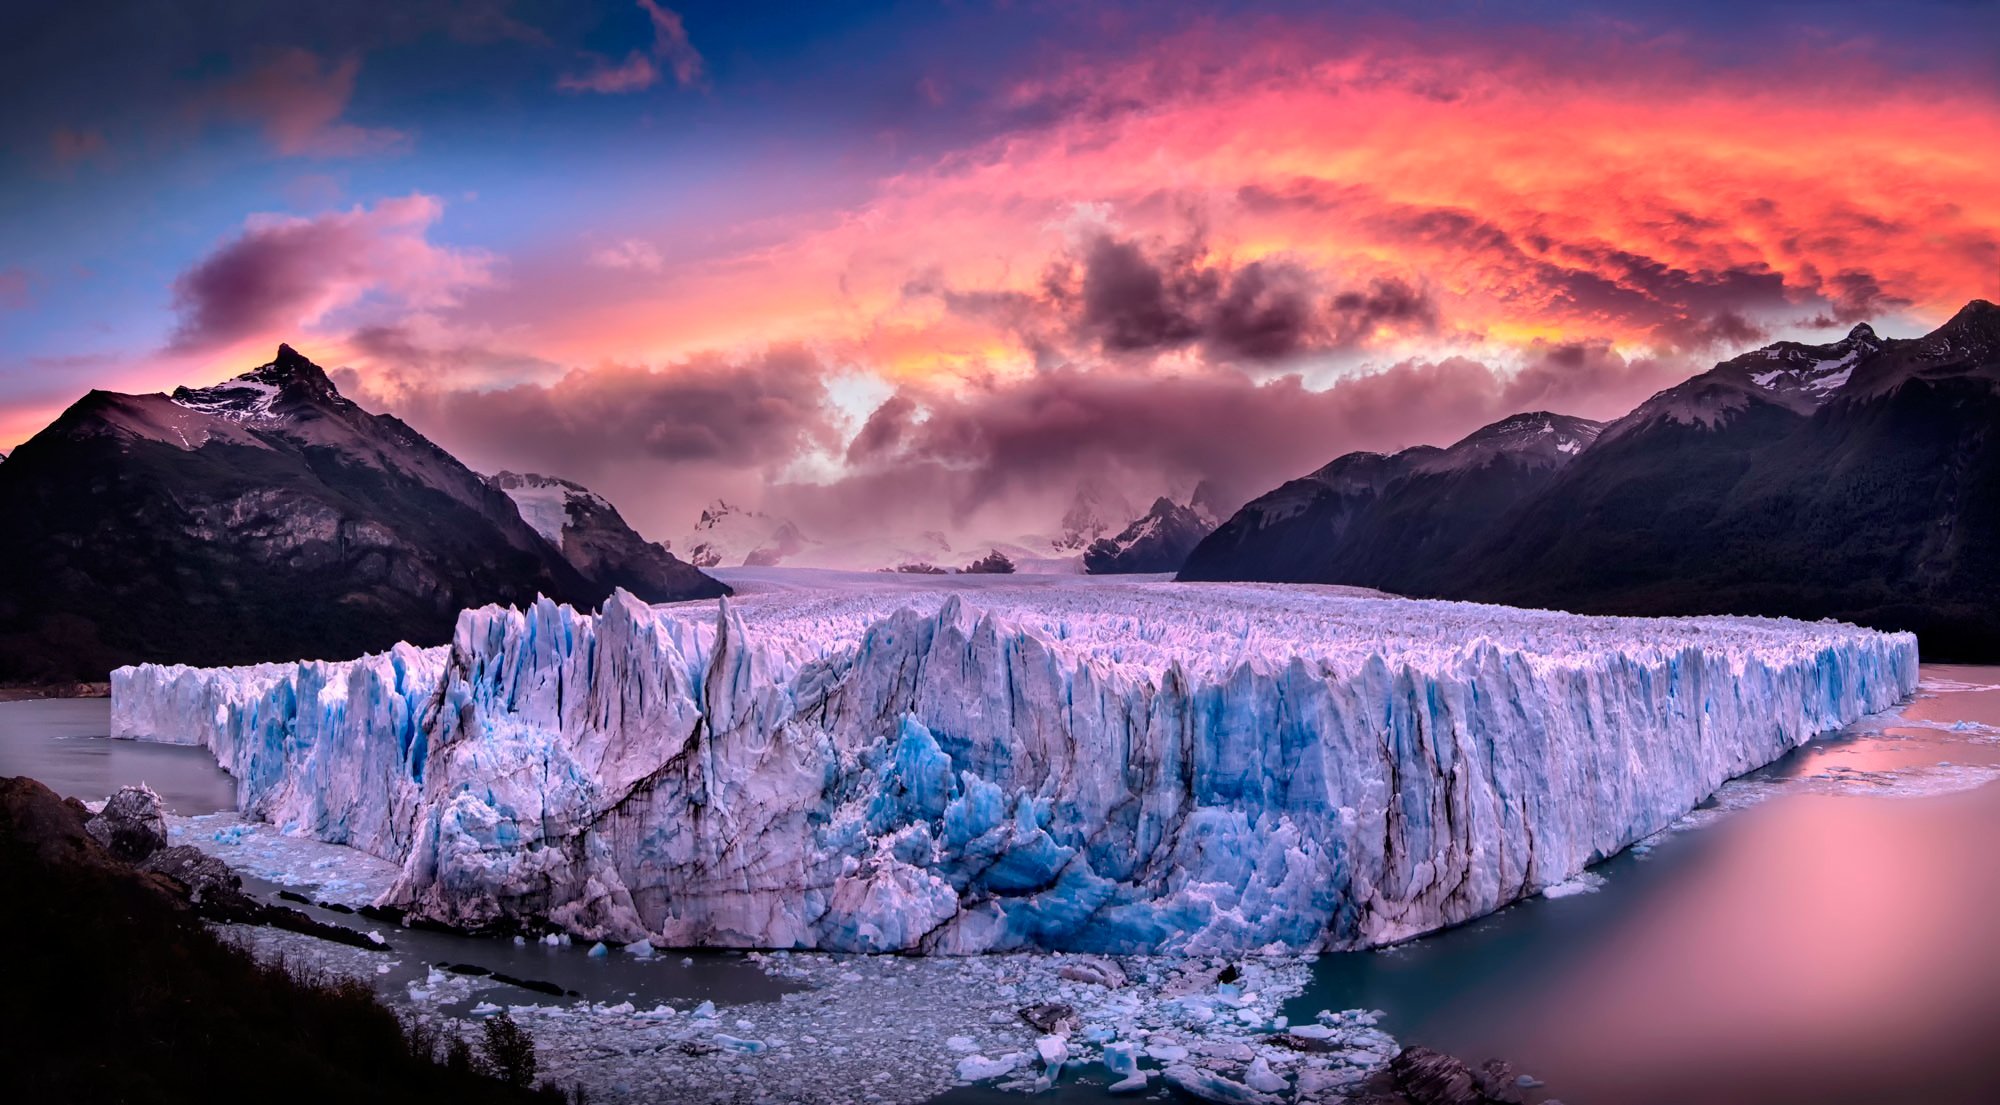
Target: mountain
264,518
1857,480
729,536
597,542
1393,521
1093,512
1158,541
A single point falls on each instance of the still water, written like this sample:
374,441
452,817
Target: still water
1822,932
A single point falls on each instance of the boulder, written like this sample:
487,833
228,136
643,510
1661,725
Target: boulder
207,878
133,823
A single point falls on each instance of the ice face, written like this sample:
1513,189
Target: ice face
1114,767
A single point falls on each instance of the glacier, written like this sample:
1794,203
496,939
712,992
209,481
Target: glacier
1103,766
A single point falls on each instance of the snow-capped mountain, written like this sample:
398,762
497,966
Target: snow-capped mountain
1094,511
1384,518
264,516
595,539
1790,375
1858,479
728,536
1538,439
1158,541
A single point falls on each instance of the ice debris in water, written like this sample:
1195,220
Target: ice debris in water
1112,767
1584,882
903,1030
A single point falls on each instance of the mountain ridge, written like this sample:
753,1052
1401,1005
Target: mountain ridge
266,517
1857,479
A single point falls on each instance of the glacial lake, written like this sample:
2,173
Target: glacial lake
1820,932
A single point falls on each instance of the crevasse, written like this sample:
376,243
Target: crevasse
1116,767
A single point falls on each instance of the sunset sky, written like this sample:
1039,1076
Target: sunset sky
928,264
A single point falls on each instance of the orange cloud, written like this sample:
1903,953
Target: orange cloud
1536,190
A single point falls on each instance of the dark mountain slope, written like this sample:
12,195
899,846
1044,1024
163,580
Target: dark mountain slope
1392,522
1881,506
1859,480
264,518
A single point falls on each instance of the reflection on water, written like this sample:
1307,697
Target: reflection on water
1830,942
65,743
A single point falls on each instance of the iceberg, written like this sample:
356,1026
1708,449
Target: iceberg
1104,767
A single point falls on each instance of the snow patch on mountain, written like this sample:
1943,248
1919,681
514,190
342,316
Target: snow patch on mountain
1104,766
545,501
1537,438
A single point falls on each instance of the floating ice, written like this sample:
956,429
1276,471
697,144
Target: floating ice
1584,882
978,1068
738,1044
1106,768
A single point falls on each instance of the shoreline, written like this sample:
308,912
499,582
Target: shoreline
34,692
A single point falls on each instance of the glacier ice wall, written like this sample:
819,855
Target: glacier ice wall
1117,767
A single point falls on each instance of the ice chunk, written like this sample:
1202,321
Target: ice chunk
1262,1078
598,951
1054,1051
1210,1086
978,1068
739,1045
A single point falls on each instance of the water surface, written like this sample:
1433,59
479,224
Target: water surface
66,744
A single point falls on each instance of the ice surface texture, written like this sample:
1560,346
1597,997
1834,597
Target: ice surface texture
1118,767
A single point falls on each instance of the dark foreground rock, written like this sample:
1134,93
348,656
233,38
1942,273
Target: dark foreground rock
1422,1076
133,823
128,997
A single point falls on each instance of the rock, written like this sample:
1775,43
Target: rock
1433,1078
1050,1017
133,824
1498,1080
205,877
1094,970
1317,1044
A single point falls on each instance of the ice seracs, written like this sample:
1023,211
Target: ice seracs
1106,767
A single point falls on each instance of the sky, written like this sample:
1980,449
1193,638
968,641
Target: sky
911,266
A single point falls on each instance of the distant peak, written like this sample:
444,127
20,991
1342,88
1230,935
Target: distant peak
1862,332
288,356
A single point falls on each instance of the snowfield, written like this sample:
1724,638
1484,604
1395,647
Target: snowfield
1012,763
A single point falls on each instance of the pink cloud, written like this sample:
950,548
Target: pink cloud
638,71
298,101
631,253
282,272
670,44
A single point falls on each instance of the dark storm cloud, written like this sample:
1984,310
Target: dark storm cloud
1126,298
1356,315
281,273
750,412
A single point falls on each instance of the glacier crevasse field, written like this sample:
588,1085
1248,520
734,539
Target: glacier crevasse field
1106,767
